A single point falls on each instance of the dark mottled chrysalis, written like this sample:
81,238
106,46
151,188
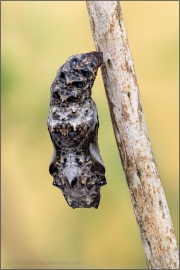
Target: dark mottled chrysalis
76,165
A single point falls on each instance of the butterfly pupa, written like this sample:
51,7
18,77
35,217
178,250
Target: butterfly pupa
76,165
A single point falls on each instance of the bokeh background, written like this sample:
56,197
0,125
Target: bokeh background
37,224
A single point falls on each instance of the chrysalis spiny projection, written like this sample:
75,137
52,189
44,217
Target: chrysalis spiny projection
76,165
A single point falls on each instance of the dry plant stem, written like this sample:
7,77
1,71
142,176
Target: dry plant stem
147,195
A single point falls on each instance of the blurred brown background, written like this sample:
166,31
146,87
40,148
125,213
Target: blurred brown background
37,223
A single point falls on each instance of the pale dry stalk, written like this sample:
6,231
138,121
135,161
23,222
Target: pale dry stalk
147,195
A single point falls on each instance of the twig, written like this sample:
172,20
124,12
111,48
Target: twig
147,195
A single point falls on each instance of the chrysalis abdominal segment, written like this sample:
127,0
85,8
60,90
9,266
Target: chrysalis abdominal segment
76,165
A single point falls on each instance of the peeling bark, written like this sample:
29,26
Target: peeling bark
142,176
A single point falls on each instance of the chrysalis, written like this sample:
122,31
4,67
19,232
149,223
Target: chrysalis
76,165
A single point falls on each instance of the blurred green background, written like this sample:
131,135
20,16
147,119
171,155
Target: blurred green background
37,223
